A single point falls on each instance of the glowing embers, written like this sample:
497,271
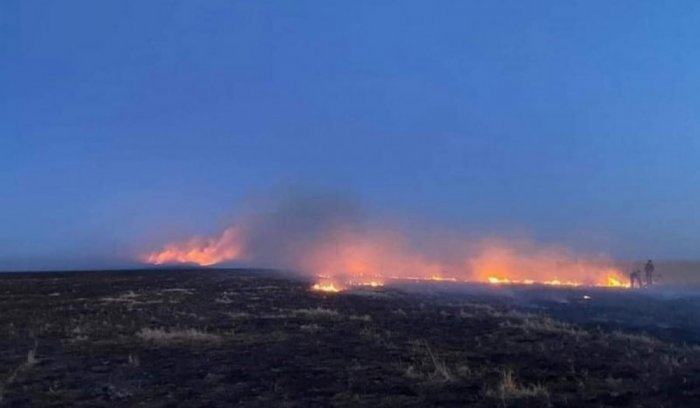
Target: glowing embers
329,284
328,287
494,280
610,282
558,282
507,281
614,282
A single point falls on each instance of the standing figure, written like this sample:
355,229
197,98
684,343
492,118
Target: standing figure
649,273
631,279
636,279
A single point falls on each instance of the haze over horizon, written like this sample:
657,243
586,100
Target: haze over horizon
127,125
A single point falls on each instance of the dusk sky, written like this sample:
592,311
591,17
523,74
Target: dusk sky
127,123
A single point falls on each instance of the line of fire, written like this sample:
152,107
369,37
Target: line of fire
375,260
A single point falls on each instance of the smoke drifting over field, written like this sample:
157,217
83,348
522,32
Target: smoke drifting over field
334,241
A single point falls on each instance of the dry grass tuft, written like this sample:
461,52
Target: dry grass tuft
127,297
318,312
165,336
508,388
636,338
238,315
363,318
370,333
310,328
134,360
428,366
24,367
31,358
184,291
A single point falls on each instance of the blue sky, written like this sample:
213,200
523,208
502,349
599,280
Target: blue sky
123,123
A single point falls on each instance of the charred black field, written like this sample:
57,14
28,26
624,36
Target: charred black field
259,339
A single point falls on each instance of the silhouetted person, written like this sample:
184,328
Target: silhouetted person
636,279
632,279
649,273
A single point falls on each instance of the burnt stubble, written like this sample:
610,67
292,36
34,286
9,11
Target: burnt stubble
254,338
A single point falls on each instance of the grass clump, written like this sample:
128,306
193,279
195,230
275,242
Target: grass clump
428,366
508,388
318,312
169,336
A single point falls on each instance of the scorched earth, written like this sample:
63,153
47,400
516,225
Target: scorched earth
257,339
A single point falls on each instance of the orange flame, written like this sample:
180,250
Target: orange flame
498,263
348,258
326,287
201,251
366,259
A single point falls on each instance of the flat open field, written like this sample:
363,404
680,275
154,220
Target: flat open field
221,338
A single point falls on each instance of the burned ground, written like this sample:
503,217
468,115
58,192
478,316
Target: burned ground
222,338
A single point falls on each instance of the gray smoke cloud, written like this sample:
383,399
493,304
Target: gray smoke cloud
331,236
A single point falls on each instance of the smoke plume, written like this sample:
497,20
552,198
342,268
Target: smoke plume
332,239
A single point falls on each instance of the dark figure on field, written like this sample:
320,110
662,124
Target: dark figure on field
636,279
649,273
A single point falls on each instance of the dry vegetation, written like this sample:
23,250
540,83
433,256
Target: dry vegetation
170,336
509,389
427,365
229,338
